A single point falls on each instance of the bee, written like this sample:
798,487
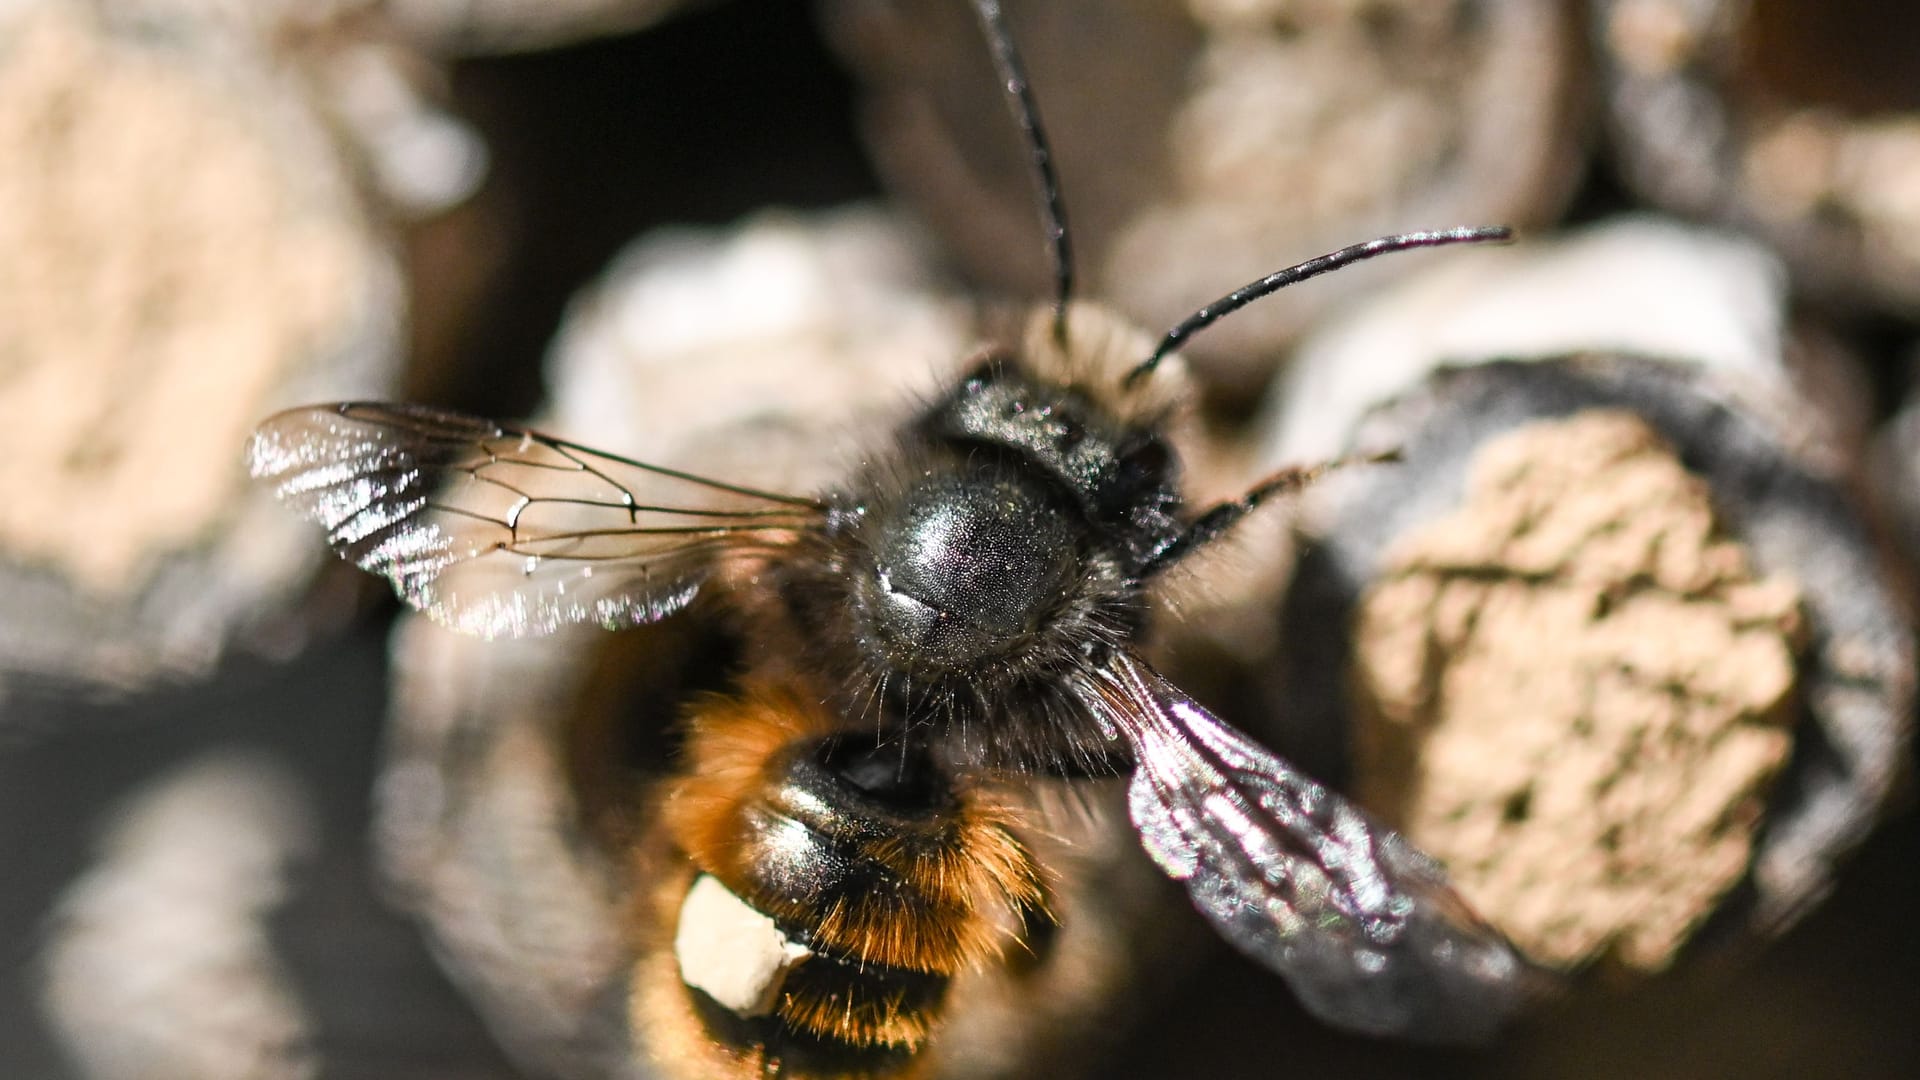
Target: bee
838,844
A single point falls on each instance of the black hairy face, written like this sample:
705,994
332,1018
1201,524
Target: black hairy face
966,570
998,551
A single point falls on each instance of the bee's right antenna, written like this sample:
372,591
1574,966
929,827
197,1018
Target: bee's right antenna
1280,279
1013,78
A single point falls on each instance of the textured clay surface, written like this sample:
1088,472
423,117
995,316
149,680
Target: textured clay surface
1574,691
143,321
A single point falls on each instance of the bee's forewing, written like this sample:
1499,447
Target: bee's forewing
1361,924
503,532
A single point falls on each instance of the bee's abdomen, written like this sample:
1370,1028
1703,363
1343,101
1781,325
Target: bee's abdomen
878,876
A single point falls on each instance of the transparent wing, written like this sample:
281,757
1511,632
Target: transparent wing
1361,924
502,532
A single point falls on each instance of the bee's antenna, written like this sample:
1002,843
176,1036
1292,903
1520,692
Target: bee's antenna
1013,78
1280,279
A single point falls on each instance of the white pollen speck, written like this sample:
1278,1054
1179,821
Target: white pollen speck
732,952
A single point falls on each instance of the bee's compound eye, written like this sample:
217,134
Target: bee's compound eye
1145,461
734,954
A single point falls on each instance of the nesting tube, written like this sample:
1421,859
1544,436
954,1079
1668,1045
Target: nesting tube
1615,640
1794,122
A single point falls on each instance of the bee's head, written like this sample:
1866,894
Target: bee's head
964,570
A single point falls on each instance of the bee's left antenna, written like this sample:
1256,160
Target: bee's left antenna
1013,78
1280,279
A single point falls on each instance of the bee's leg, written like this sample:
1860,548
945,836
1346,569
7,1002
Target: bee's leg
1222,517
